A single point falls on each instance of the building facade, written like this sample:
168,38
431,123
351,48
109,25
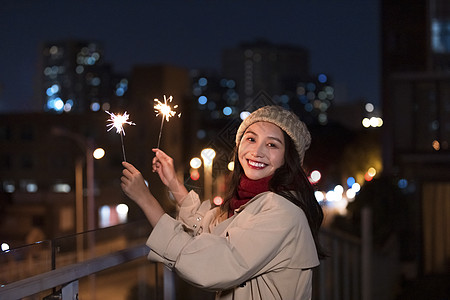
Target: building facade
416,105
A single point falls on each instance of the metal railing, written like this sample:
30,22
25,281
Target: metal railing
113,260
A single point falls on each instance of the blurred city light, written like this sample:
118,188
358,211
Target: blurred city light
195,163
61,188
98,153
231,166
194,174
402,183
5,247
338,189
208,155
218,200
350,193
315,176
372,172
372,122
350,181
436,145
244,115
356,187
122,212
319,196
369,107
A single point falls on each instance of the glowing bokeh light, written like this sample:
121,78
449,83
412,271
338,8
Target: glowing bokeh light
338,189
350,181
122,209
227,111
5,247
372,171
315,176
218,200
99,153
369,107
436,145
402,183
350,193
319,196
195,175
208,155
356,187
202,100
244,115
195,163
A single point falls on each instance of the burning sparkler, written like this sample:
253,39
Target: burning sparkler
166,111
117,122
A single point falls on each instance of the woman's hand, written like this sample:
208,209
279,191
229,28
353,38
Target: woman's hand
163,165
133,183
134,186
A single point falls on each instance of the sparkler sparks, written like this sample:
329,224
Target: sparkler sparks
166,111
117,122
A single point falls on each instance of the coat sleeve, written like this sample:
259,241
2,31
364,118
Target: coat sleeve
192,212
221,262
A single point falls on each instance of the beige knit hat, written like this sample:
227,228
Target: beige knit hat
286,120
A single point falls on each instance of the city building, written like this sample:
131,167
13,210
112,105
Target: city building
73,77
261,65
281,71
49,178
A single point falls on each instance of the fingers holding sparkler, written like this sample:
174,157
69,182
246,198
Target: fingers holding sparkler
166,111
117,121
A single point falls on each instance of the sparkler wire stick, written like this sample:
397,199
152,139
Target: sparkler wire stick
123,148
166,111
160,132
117,122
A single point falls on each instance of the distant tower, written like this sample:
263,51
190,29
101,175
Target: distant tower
73,77
264,66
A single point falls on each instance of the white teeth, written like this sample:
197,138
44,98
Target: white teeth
256,164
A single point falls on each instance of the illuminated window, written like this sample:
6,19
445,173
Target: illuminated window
61,188
8,186
440,36
28,186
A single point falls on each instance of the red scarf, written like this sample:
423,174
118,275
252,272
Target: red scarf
248,189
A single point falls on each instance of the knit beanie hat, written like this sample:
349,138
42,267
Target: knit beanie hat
286,120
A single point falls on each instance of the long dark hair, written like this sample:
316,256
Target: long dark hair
289,181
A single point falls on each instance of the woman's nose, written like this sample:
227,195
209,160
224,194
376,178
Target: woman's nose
258,150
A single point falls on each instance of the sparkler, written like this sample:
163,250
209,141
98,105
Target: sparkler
117,122
166,111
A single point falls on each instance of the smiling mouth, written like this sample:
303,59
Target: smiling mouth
255,164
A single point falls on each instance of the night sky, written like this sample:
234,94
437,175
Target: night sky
342,36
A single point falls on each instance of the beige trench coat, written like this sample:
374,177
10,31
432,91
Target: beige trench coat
265,251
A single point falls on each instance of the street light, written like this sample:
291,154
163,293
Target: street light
208,155
87,146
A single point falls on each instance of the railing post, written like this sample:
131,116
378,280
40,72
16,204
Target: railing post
366,263
70,291
169,284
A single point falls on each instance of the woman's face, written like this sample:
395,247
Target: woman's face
261,150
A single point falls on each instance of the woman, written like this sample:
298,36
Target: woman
262,242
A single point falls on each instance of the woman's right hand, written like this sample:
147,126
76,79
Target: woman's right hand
163,165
